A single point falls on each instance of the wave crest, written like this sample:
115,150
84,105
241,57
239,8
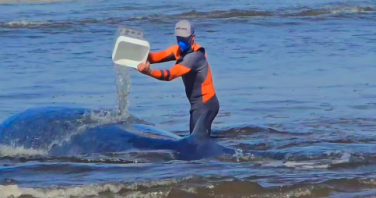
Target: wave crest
19,151
337,11
196,187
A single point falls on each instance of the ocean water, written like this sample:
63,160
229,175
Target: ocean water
295,80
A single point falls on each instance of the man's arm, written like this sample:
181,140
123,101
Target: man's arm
179,69
162,56
168,75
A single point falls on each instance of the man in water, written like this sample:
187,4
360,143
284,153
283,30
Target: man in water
191,64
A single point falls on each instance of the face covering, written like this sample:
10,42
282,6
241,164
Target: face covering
183,45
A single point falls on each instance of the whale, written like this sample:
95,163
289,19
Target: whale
67,131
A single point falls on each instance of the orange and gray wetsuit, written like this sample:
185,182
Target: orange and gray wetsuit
195,71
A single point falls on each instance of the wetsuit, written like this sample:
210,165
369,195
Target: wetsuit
195,71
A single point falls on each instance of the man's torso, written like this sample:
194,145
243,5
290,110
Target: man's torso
198,82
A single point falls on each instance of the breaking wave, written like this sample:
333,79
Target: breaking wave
336,11
19,151
196,187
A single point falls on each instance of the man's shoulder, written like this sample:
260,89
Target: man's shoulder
198,54
194,59
173,47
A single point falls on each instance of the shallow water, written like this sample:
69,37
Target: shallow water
295,80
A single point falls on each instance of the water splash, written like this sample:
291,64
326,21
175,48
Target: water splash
123,87
123,83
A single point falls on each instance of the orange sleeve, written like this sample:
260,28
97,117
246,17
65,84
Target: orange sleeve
168,75
162,56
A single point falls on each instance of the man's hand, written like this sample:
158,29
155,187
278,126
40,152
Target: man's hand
144,68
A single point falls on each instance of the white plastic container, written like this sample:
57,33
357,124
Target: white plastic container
131,48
